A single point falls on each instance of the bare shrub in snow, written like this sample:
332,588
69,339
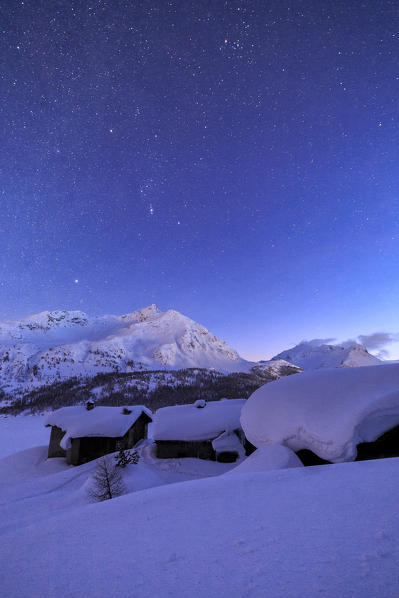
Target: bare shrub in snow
125,457
107,482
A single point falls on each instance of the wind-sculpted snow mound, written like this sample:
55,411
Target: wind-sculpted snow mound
268,456
327,411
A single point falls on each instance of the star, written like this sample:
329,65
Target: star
76,281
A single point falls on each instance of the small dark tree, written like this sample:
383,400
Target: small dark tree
124,458
107,482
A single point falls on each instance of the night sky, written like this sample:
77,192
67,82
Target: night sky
236,161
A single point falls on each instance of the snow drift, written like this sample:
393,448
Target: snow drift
268,456
305,532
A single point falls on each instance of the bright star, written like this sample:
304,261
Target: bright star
76,281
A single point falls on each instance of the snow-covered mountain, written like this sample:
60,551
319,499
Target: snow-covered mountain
55,345
312,356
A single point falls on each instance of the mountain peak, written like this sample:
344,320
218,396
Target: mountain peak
144,314
310,355
61,344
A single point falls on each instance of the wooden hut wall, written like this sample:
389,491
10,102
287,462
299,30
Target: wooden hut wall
73,452
176,449
138,431
93,447
383,447
54,448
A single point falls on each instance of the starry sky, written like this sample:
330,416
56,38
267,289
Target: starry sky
235,160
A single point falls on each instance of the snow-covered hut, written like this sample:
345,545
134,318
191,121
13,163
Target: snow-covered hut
330,415
84,433
200,430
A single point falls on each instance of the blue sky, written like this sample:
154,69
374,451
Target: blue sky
235,161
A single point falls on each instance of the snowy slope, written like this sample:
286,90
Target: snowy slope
326,411
312,356
22,432
323,531
56,345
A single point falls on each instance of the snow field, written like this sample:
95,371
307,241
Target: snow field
326,531
323,531
22,432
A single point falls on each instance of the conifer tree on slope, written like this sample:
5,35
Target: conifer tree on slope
107,481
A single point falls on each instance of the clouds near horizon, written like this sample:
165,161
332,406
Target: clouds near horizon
375,342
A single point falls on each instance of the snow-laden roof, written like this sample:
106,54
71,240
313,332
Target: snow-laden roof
268,456
326,411
228,442
192,422
110,422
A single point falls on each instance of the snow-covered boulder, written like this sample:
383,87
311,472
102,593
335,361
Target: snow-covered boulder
326,411
268,456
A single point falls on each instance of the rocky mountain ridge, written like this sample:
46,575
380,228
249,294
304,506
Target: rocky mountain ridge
312,355
53,346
